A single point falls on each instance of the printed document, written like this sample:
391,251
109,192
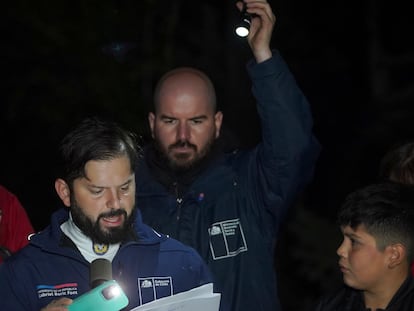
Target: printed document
201,299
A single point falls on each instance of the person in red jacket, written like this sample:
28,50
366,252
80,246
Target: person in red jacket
15,225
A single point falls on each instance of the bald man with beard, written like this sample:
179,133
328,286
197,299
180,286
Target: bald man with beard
229,206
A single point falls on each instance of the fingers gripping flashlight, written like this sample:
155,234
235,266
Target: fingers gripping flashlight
243,27
106,294
106,297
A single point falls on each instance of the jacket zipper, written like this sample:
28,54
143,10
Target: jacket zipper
179,200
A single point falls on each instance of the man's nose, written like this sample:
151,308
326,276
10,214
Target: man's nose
113,199
183,132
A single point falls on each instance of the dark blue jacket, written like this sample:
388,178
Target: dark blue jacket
151,265
231,211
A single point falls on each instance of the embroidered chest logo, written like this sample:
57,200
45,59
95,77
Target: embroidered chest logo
152,288
61,290
227,239
100,249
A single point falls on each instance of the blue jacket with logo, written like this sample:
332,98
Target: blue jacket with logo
147,267
231,210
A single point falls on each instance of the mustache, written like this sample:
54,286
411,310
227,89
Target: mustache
182,143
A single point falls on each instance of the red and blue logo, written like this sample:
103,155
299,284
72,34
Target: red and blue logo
60,290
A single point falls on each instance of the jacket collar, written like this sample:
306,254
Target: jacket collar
178,182
144,234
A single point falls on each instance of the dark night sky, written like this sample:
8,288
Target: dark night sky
354,62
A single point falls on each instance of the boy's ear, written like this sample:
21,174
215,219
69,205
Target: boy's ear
62,189
397,255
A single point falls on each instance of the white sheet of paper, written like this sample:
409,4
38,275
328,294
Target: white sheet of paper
201,299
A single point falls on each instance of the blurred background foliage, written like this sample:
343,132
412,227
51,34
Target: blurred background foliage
62,61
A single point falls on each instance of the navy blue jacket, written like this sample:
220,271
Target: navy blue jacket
231,211
151,266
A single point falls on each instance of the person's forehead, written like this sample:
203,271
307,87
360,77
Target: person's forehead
185,106
100,170
359,232
190,87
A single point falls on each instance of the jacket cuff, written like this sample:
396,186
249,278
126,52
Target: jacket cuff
271,66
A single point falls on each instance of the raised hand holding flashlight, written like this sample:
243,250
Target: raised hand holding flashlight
261,20
242,29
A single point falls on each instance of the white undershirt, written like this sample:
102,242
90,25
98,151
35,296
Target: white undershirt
85,244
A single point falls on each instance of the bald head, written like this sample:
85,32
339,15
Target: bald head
184,83
185,123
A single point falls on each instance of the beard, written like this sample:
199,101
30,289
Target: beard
94,231
182,162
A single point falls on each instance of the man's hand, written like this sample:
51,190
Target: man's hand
58,305
261,28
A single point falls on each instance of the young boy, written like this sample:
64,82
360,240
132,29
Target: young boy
377,223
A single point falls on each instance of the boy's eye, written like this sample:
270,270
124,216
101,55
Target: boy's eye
354,242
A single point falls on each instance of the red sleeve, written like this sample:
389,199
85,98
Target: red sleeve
15,226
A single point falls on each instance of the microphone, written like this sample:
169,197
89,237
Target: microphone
106,294
100,272
242,29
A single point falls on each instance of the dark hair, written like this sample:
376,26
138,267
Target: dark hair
387,212
95,139
398,164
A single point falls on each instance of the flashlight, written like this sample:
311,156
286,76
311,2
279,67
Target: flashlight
243,27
